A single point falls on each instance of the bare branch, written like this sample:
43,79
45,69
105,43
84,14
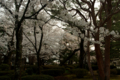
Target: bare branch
84,9
41,39
25,11
35,37
27,17
80,14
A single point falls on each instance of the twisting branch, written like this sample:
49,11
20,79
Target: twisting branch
80,14
84,9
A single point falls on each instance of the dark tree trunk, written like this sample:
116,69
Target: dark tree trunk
39,60
107,43
99,58
82,53
18,52
7,58
89,63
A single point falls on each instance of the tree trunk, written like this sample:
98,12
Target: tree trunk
18,52
7,58
89,63
107,58
107,43
82,52
99,58
38,62
107,52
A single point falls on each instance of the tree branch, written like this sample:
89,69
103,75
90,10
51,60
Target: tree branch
29,17
25,11
62,63
40,45
35,37
87,10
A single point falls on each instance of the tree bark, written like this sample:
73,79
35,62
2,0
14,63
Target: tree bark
39,50
107,42
18,52
82,52
89,63
7,58
107,52
99,58
107,58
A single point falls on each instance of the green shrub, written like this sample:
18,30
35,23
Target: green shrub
29,71
53,72
61,78
9,73
35,68
71,76
67,71
23,73
5,78
37,77
70,66
52,67
2,73
4,67
32,69
80,73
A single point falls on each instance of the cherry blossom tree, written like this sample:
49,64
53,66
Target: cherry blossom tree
43,37
20,10
7,37
64,13
98,17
